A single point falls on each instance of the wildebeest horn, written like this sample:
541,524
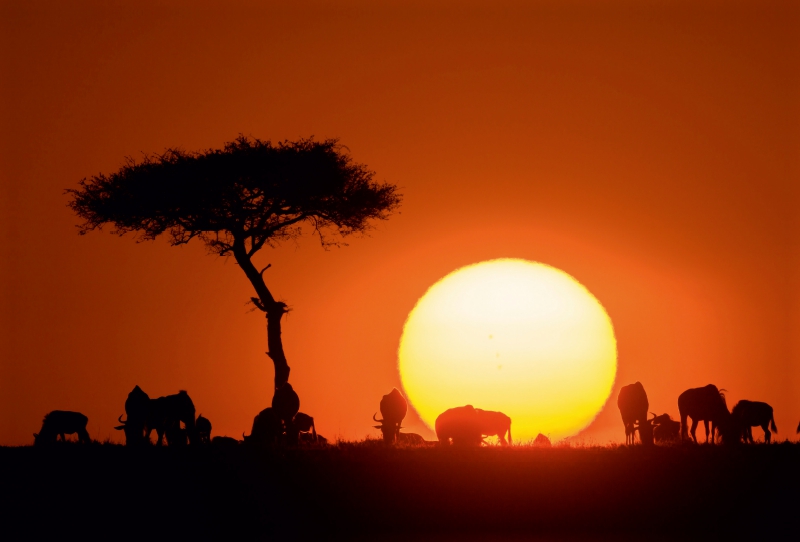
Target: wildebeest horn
377,420
120,420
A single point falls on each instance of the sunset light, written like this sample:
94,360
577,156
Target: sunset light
515,336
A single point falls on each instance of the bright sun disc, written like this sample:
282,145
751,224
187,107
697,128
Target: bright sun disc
511,335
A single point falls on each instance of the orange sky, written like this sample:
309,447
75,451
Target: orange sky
652,152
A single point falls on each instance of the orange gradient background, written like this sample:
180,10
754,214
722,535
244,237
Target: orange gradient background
650,151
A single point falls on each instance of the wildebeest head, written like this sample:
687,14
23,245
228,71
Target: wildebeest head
203,428
393,409
645,429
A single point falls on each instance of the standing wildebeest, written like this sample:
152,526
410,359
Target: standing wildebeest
748,414
393,410
633,405
665,429
459,424
137,409
706,404
164,414
203,427
267,429
305,427
62,422
493,423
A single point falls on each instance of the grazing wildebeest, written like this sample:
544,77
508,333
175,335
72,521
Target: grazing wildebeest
633,405
62,422
410,439
203,426
267,429
493,423
137,409
459,424
665,429
706,404
393,409
162,415
749,414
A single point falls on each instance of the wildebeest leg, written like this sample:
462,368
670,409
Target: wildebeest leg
83,436
63,437
748,434
159,437
705,426
767,434
693,430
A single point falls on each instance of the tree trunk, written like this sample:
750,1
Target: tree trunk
274,311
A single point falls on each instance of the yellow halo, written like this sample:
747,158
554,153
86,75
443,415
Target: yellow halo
520,337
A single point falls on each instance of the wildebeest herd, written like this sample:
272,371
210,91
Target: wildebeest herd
706,404
172,417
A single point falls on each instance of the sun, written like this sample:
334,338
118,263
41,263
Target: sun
512,335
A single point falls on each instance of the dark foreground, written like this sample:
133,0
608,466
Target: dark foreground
363,491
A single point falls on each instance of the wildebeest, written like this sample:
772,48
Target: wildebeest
267,429
459,425
749,414
224,441
203,426
633,405
706,404
410,439
62,422
162,415
137,410
491,423
304,425
665,429
393,409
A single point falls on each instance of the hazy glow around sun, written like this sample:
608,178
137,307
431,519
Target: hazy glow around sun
511,335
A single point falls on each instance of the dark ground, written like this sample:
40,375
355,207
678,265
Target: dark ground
364,491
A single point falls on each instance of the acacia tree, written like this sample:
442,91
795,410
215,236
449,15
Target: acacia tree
238,199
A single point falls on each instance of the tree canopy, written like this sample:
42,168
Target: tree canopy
250,191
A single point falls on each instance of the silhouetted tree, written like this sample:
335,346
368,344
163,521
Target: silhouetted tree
238,199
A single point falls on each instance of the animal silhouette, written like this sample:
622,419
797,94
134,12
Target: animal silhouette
706,404
60,423
542,441
267,429
491,423
393,409
633,405
410,439
137,410
665,429
304,425
203,426
459,426
749,414
164,414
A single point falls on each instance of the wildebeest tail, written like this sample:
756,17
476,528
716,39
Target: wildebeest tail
798,427
772,425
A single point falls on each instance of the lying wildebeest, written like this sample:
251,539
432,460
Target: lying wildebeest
393,410
665,429
203,427
749,414
162,414
62,422
491,423
542,441
706,404
410,439
633,405
267,429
